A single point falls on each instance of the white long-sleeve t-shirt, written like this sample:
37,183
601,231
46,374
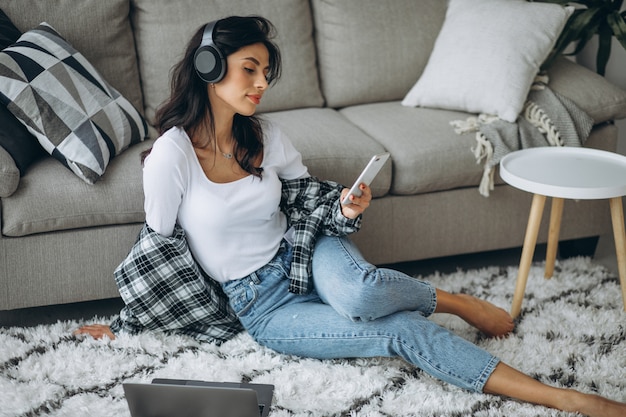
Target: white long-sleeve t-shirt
232,228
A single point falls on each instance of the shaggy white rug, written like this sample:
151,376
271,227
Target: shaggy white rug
572,332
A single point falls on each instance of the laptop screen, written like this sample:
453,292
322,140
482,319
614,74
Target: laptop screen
193,399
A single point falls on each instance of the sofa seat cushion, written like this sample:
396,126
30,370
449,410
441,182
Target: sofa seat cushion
332,147
427,154
51,198
172,23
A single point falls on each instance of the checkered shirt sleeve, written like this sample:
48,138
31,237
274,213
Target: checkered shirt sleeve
165,289
312,207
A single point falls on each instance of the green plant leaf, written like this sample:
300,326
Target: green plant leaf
617,22
591,17
605,36
580,27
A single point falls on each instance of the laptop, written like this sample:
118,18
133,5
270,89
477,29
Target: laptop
188,398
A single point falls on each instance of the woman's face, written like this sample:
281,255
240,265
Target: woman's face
241,89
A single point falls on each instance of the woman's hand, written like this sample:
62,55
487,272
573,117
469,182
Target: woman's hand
97,331
357,204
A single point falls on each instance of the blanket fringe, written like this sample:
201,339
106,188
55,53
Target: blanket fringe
483,152
540,82
472,124
465,126
487,182
484,149
538,118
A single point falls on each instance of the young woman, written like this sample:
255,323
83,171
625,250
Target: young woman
219,172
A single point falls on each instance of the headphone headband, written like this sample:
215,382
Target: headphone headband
209,60
207,35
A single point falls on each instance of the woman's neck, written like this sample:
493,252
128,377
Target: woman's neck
224,142
223,124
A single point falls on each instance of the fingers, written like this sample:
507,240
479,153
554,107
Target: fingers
97,331
364,199
357,204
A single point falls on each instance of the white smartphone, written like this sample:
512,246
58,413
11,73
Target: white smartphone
367,175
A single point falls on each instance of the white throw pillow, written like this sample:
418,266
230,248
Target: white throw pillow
487,54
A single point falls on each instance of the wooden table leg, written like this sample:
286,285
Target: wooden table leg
617,217
556,214
530,240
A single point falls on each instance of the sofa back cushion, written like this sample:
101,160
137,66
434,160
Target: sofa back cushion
163,29
100,30
373,50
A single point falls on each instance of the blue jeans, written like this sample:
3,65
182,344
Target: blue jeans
355,310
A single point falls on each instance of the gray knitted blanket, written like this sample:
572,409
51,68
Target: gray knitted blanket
548,119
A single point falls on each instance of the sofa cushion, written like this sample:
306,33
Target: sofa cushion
51,198
599,98
9,174
61,98
331,147
373,50
18,142
101,30
427,154
159,23
14,137
487,56
8,32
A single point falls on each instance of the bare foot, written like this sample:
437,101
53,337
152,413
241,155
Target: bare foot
97,331
486,317
512,383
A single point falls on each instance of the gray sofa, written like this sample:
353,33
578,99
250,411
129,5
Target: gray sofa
347,66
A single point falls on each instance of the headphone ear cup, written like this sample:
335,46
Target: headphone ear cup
209,63
208,60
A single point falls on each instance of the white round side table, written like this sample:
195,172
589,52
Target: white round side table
565,172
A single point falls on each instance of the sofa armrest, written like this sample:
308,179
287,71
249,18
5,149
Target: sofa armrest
9,174
601,99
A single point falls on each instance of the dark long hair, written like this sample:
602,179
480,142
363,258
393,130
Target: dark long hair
188,105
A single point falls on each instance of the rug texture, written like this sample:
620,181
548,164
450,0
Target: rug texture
571,333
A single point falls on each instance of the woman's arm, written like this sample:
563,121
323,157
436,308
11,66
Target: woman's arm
164,179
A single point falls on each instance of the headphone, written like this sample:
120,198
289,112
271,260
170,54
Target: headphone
208,60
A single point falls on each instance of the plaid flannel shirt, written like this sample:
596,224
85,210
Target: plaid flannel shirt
312,207
164,288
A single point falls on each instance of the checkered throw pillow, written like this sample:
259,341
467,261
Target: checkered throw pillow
65,103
